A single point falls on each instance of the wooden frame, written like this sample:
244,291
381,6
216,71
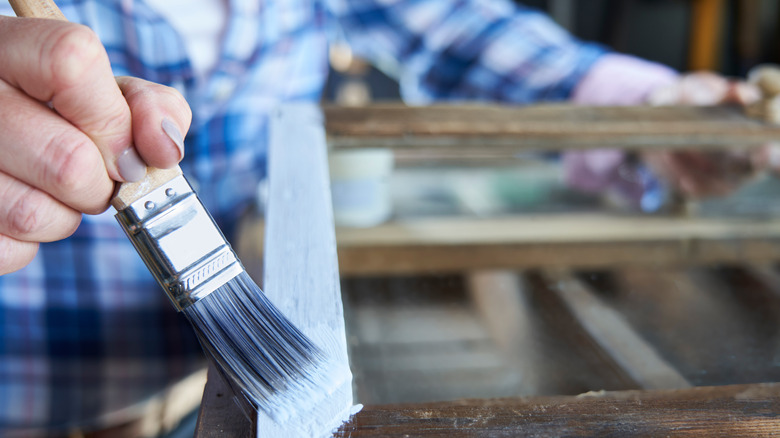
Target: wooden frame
738,410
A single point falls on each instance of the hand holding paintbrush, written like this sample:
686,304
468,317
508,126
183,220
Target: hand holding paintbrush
55,165
272,364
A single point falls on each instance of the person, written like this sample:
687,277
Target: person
86,333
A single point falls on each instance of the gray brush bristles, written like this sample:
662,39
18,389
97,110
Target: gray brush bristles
277,368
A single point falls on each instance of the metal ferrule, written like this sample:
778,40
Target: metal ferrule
179,242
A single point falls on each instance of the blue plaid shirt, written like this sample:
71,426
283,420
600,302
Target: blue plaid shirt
85,329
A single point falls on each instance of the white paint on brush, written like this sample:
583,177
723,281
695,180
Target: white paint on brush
301,269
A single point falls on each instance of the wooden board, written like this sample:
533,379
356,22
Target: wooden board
734,411
300,275
554,228
301,269
578,240
543,127
574,240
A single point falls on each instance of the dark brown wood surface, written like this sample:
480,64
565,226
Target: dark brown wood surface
734,411
219,415
543,127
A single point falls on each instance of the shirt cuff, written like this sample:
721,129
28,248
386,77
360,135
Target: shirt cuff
617,79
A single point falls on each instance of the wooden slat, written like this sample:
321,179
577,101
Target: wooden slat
554,228
300,274
395,260
581,240
301,270
501,300
734,411
219,415
543,127
612,333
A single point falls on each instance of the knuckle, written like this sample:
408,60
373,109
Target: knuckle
24,215
71,163
114,121
178,101
163,95
76,50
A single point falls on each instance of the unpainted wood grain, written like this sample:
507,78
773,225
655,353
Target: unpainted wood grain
553,228
579,240
543,127
219,415
410,259
734,411
37,9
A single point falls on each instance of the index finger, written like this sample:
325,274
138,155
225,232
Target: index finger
65,65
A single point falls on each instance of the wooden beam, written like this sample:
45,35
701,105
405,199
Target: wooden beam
554,228
735,411
612,333
300,275
301,270
543,127
501,300
574,240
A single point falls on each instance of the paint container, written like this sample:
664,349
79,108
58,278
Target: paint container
360,186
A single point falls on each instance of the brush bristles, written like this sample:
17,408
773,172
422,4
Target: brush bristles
278,368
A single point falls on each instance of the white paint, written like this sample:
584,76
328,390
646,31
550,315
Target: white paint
301,268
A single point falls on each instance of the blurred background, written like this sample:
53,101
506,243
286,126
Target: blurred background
641,319
726,36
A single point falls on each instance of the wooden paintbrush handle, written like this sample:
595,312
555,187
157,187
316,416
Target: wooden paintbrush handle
126,193
37,9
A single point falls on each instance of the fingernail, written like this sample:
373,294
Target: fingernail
174,134
131,167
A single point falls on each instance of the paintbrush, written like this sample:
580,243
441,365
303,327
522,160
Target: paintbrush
266,359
